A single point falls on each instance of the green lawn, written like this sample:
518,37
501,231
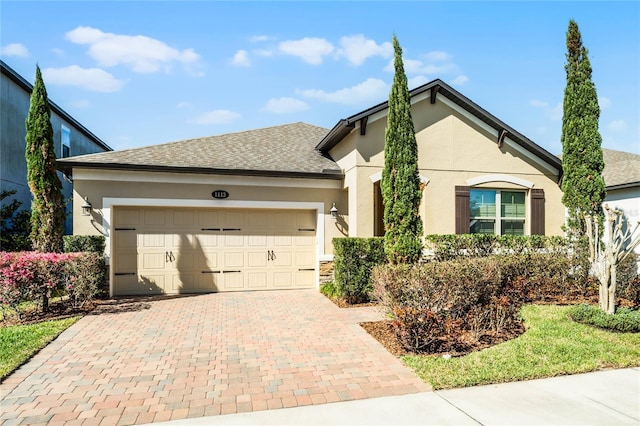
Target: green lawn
552,345
19,342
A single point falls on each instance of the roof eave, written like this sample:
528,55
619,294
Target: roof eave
68,166
338,133
623,186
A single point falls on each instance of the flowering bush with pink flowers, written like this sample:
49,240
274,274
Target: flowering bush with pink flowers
34,276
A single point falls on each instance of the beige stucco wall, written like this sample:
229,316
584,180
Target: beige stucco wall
197,189
452,148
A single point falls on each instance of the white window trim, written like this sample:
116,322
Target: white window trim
109,203
498,217
499,178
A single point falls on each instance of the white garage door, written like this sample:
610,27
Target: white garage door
181,250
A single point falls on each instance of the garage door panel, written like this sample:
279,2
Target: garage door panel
282,258
257,280
183,217
206,240
154,217
153,260
283,279
269,249
155,240
233,280
257,259
233,260
304,259
305,279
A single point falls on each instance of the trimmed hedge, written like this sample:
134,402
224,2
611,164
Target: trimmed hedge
451,246
353,260
624,320
86,243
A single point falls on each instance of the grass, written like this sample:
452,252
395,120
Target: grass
553,345
18,343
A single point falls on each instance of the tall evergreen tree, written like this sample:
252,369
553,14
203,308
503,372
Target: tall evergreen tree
47,207
401,188
582,185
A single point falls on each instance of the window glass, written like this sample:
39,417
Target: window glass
486,218
66,142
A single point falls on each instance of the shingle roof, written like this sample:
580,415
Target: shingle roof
286,150
621,169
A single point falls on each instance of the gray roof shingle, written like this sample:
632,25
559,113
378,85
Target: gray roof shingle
621,169
280,150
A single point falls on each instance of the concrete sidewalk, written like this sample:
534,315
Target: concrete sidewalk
602,398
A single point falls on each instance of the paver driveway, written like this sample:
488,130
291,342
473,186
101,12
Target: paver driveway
156,360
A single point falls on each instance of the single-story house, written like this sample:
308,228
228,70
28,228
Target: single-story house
258,209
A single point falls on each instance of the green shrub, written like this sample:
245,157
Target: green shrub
447,247
329,289
88,243
86,277
625,319
353,260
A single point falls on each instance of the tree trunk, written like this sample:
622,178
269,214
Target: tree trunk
611,308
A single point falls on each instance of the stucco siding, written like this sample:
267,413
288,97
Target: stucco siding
147,187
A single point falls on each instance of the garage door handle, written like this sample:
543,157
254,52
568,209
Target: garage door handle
210,272
210,229
230,272
306,229
117,274
306,269
231,229
125,229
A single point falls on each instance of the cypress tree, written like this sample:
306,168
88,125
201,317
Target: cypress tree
401,188
583,186
47,207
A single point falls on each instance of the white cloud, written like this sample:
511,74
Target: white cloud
357,49
371,90
310,50
15,49
93,79
143,54
262,52
557,112
57,51
460,80
617,125
220,116
538,103
437,56
183,105
259,38
241,59
416,81
285,105
604,103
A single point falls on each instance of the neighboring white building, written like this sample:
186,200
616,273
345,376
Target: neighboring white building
622,178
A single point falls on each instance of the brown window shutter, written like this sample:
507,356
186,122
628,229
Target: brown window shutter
462,210
537,212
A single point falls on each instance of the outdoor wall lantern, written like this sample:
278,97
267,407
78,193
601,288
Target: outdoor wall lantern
334,212
86,207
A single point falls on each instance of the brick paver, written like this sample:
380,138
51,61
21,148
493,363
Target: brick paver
151,360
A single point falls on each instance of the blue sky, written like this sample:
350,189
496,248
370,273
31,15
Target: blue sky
142,73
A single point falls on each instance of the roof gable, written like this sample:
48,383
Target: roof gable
286,150
433,90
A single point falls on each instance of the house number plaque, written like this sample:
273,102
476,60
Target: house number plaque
220,194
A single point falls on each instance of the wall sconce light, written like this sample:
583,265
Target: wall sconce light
334,212
86,207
